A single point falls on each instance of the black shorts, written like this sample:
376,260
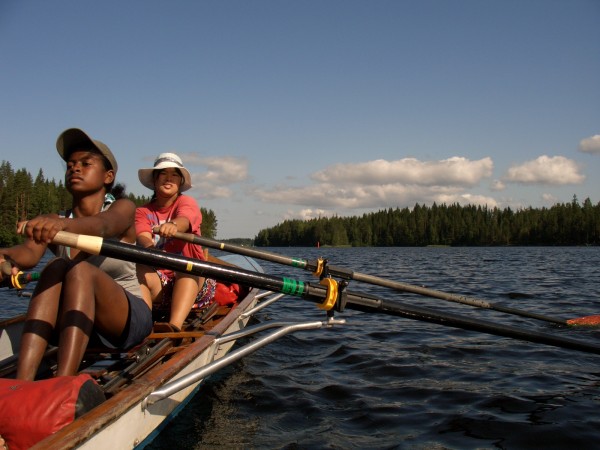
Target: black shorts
139,325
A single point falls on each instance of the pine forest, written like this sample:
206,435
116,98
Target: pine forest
452,225
22,197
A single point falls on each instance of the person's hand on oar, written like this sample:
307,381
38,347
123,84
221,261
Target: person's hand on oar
7,269
12,277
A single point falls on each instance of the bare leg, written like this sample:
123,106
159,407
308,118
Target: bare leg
149,284
41,319
185,291
90,298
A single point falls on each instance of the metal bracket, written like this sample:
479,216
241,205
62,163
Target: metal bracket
197,375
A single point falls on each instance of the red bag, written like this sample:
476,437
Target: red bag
227,293
32,410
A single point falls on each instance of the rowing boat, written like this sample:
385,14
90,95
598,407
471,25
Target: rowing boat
130,417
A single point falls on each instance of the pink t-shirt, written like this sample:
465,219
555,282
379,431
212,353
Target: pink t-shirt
149,216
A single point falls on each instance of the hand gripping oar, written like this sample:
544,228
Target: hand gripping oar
315,293
314,266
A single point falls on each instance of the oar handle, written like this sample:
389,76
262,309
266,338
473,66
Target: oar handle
89,244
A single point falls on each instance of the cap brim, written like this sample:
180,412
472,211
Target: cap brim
74,138
71,139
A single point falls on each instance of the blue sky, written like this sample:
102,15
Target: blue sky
300,109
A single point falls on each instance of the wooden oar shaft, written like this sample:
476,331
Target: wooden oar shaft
315,293
365,278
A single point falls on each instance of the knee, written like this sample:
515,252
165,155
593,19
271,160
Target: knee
53,274
144,274
56,267
78,272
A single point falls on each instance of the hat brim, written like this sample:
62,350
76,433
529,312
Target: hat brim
74,139
146,176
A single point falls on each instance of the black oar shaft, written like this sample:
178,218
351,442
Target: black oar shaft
453,297
19,281
365,278
465,323
315,293
246,251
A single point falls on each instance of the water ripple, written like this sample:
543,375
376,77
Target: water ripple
384,382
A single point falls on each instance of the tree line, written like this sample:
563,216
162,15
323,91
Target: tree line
455,225
22,197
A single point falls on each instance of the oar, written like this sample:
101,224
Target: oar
308,291
19,280
347,274
584,321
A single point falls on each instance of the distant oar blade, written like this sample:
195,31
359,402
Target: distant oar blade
589,321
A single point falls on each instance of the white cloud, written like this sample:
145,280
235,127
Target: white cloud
547,170
377,184
329,197
208,191
347,197
222,170
468,199
590,145
307,214
549,199
220,174
455,171
497,185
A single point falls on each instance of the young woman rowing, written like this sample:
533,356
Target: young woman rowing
80,298
169,212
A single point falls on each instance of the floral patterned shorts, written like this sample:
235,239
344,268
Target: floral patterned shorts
203,299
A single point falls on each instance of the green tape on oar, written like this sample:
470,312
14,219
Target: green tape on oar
292,287
300,263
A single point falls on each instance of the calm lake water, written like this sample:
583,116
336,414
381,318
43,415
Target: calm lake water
383,382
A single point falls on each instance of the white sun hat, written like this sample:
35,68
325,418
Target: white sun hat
164,161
